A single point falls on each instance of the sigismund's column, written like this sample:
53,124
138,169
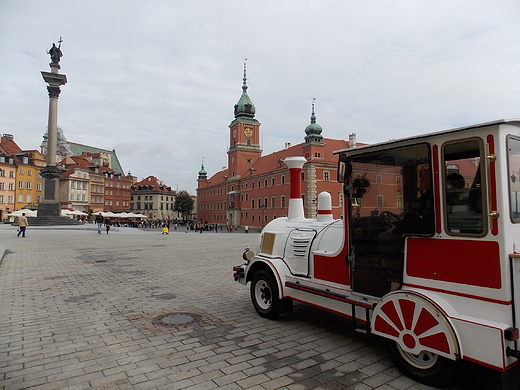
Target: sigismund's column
49,206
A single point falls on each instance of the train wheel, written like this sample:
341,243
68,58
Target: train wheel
425,367
264,294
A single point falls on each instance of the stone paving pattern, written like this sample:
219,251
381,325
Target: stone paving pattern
77,311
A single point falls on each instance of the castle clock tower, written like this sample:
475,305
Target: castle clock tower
244,135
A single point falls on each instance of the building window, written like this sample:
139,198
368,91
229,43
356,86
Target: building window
272,181
302,178
398,180
72,184
273,202
283,179
265,182
379,179
38,186
2,187
252,203
379,201
326,175
282,201
20,198
10,186
20,185
29,185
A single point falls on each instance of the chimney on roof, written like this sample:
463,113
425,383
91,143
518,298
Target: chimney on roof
287,145
295,165
352,140
8,136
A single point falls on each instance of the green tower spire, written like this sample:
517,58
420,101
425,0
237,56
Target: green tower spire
313,130
245,107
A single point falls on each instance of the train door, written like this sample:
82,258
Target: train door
391,198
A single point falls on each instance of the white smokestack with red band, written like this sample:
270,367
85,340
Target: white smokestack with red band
295,165
324,206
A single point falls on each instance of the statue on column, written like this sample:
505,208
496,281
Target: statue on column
55,52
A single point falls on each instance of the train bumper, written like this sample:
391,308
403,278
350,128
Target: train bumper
239,274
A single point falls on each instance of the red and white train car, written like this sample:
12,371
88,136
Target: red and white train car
427,254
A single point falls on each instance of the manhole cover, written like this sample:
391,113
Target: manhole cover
175,319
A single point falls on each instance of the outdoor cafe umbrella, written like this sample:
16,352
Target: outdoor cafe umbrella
28,213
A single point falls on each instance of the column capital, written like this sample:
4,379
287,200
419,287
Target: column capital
54,92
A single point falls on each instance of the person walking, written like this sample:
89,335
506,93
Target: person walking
22,225
99,222
246,229
108,223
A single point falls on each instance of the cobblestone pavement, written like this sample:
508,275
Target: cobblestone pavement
137,309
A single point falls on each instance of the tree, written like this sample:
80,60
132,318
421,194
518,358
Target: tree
183,204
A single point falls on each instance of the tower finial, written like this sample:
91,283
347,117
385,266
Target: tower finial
313,115
244,86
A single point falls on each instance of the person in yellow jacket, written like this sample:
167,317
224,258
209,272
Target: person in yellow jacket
22,225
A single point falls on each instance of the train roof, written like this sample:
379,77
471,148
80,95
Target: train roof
426,135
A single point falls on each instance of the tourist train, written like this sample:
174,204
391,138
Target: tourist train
426,255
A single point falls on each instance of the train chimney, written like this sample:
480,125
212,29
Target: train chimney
324,206
295,165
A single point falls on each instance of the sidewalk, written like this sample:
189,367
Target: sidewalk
136,309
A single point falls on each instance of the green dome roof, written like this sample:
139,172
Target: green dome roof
313,130
203,175
245,107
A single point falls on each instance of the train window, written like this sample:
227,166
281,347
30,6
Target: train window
462,188
513,165
403,206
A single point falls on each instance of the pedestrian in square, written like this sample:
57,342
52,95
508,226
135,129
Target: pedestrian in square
108,223
99,222
22,225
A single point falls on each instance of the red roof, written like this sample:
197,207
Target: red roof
8,144
270,162
152,181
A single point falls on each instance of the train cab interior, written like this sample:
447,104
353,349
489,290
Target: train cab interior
392,198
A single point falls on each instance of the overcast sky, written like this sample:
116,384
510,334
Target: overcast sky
158,80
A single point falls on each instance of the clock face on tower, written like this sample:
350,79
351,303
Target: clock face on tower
248,132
